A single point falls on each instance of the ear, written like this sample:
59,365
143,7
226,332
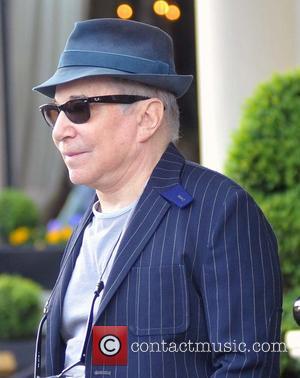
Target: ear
150,116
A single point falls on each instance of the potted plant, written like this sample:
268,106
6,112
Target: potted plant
20,311
18,217
265,158
27,247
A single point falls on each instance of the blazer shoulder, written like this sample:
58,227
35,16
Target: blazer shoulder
202,179
214,191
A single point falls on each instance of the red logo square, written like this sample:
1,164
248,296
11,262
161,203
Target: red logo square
110,345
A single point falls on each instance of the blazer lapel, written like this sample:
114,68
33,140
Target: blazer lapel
148,214
57,296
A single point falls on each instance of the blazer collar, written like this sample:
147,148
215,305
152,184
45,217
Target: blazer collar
167,171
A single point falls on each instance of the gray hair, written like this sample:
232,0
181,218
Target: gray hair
171,114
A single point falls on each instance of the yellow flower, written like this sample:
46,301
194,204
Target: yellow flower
59,236
19,236
65,233
53,237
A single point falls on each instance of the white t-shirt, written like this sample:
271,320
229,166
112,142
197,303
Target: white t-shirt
100,243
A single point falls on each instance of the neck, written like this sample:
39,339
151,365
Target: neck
130,184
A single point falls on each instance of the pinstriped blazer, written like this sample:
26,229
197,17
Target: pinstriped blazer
205,273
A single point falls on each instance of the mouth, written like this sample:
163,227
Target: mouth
72,155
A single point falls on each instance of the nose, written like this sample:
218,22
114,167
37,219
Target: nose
63,128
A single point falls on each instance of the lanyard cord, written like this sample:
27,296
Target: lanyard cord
98,289
38,348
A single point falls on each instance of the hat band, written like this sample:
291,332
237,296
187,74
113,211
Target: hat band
119,62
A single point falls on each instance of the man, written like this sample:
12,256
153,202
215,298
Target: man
182,255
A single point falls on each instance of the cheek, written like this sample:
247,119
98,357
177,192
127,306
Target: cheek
54,139
117,140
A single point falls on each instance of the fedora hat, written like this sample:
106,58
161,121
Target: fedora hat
118,48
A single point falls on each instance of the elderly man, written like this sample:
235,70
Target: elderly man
184,262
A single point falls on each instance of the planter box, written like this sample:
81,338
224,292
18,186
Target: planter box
40,266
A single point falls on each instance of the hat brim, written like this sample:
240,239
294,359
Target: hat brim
177,84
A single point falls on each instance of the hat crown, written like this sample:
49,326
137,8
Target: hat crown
111,47
120,37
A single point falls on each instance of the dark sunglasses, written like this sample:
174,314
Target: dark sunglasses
78,110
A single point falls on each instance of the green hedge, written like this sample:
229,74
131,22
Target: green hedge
265,154
283,212
16,210
265,158
20,307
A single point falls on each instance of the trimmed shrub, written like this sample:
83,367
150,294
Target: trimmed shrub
265,153
16,210
283,212
20,307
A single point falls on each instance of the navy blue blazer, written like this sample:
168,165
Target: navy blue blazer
197,266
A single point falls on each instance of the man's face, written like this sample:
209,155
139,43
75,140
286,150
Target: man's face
100,151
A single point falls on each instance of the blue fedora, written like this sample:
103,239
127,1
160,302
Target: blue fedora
117,48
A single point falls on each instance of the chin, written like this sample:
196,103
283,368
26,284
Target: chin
81,179
77,179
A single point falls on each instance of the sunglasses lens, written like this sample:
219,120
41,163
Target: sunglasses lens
77,111
50,114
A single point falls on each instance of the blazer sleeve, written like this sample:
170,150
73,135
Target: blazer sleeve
241,289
